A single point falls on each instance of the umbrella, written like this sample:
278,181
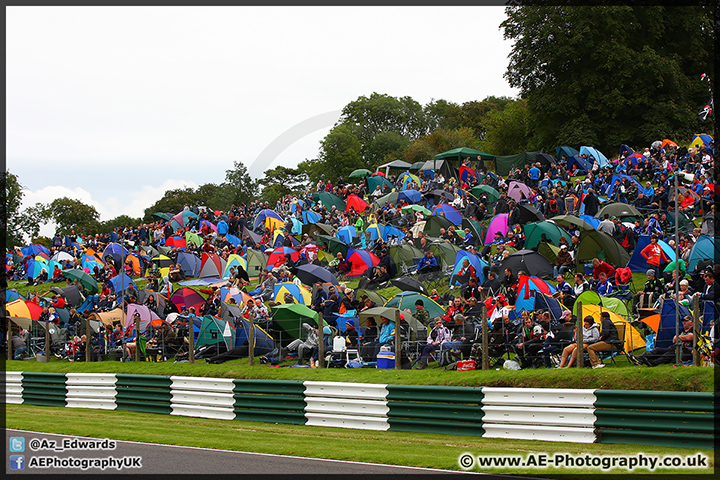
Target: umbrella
163,216
528,214
416,208
618,209
533,263
409,284
71,293
329,200
571,221
311,274
360,173
391,197
493,195
85,278
440,194
334,245
377,312
405,300
353,201
23,308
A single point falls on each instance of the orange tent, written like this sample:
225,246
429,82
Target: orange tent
667,142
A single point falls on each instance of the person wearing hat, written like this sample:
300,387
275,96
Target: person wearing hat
563,262
608,335
422,315
651,291
662,355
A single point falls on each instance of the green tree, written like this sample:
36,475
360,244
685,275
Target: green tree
441,140
70,214
171,202
620,74
340,154
19,223
240,186
214,196
508,130
281,181
120,221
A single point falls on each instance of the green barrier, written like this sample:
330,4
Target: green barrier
275,401
45,389
143,393
659,421
435,409
650,400
664,439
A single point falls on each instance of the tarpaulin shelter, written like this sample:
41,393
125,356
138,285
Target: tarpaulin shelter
299,293
240,297
12,294
505,163
190,263
216,331
405,300
254,237
597,244
633,338
360,260
704,248
565,150
449,212
287,322
91,261
330,199
518,190
476,262
638,263
528,288
61,256
499,223
534,230
596,154
626,150
533,263
211,265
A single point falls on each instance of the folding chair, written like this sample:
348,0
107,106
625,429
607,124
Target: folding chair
618,346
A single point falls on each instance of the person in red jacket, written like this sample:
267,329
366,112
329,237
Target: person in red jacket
654,253
601,266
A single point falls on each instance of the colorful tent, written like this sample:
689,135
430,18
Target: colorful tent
596,154
215,331
704,248
269,218
234,260
176,241
597,244
360,260
147,317
700,139
163,262
281,253
518,190
186,298
528,287
355,202
405,300
533,233
211,265
409,195
347,234
263,342
499,223
633,338
449,212
23,308
190,263
404,255
476,262
434,223
256,261
638,263
445,252
119,280
299,293
191,238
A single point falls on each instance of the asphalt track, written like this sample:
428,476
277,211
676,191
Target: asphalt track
182,461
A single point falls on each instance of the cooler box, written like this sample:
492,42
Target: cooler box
463,365
386,360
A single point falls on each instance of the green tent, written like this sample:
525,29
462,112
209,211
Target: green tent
416,166
492,194
549,251
588,297
505,163
391,197
214,330
597,244
372,295
572,221
434,223
476,228
460,154
315,229
404,254
329,200
611,303
287,320
445,251
374,180
256,261
534,230
334,244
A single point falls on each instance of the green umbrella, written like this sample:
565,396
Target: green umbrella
328,199
416,208
360,173
572,221
85,278
162,215
193,238
493,195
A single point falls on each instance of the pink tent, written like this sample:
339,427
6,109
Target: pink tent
146,316
499,223
517,191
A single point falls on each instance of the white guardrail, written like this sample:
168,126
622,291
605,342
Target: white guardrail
346,405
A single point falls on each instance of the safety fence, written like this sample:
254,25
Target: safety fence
681,419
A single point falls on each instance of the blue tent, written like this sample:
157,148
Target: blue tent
411,196
233,239
90,303
591,220
704,249
583,165
565,150
546,302
625,149
597,154
526,296
347,234
309,216
621,177
11,295
190,263
117,283
263,340
637,262
296,226
666,327
477,263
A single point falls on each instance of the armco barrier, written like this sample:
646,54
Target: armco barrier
13,387
681,419
556,415
346,405
202,397
675,419
41,388
91,390
435,409
277,401
143,393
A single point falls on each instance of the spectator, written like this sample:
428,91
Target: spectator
438,336
661,355
590,335
608,335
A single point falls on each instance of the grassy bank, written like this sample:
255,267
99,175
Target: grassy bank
619,377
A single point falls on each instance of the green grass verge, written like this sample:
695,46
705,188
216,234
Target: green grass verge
622,376
393,448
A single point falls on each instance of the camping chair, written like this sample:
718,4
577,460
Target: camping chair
618,346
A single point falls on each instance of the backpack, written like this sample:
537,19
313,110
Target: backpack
552,205
445,358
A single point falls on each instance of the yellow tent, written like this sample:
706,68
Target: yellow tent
299,293
633,339
273,223
697,140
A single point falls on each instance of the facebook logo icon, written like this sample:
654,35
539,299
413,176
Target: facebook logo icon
17,462
17,444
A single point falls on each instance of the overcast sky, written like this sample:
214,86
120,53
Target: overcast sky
115,105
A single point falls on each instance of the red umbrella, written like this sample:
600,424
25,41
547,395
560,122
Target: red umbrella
378,173
355,202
